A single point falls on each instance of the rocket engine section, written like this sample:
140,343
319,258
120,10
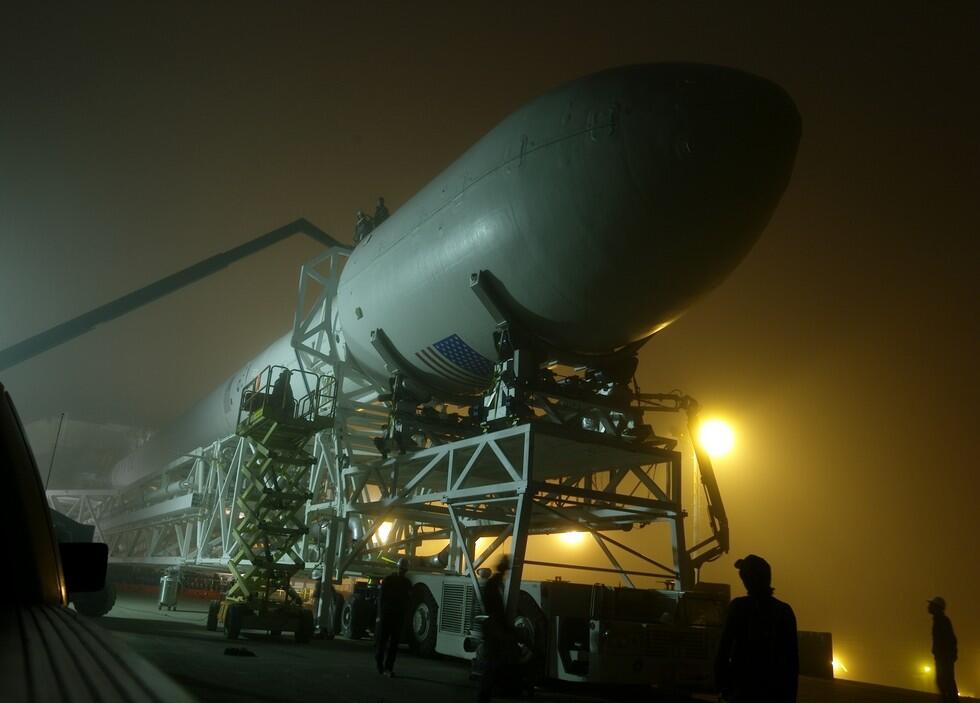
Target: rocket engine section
600,211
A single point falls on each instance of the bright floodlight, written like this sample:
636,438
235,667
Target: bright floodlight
716,437
838,666
926,669
384,529
572,537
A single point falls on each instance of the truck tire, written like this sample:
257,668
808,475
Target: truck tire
96,603
330,625
423,622
352,621
531,627
233,621
212,622
304,627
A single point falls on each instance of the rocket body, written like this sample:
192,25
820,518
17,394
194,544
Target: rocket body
603,209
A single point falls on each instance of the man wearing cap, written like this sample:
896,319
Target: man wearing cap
392,607
944,650
758,657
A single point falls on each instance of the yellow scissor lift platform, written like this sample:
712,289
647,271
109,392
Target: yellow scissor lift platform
273,493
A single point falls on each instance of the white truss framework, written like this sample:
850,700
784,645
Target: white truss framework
504,485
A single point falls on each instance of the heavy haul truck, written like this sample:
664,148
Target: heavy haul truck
465,374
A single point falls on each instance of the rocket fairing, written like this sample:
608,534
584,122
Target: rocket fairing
602,209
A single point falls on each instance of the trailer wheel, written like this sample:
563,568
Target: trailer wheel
212,623
304,628
352,618
330,623
233,621
423,622
531,626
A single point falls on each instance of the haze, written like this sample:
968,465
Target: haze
137,140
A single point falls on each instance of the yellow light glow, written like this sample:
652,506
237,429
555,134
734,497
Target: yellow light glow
384,529
838,665
716,437
572,538
926,669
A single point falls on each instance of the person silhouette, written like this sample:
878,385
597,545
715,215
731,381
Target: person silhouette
396,590
944,650
498,634
758,655
380,212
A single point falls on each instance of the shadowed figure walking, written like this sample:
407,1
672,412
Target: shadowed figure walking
498,635
392,607
758,656
944,650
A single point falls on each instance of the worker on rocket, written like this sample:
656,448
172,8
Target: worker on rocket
380,212
362,227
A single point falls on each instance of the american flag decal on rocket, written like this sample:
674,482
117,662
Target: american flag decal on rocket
454,359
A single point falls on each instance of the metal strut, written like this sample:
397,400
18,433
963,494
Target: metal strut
67,331
718,543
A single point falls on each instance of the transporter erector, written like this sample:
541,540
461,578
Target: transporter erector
602,210
465,374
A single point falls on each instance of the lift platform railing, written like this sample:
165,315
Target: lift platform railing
272,395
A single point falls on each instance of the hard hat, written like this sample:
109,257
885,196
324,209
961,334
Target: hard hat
939,602
403,564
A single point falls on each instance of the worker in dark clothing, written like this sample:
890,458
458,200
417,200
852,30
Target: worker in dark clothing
758,657
944,650
281,399
362,226
392,609
380,212
499,641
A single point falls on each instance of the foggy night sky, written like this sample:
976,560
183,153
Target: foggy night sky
138,140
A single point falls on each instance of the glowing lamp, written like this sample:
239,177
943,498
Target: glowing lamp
716,437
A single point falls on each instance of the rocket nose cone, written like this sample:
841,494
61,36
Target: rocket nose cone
710,151
713,136
735,133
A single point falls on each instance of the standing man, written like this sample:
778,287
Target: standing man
758,656
380,212
944,650
362,227
498,638
392,608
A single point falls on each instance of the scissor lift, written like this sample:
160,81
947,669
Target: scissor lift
272,501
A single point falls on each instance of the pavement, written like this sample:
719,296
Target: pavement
343,671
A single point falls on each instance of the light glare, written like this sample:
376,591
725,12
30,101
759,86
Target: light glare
572,538
384,529
716,437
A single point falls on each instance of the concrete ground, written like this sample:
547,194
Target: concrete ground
343,671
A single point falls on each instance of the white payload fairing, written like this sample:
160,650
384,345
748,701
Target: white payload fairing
601,210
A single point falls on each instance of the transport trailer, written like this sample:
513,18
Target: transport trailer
569,631
595,633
